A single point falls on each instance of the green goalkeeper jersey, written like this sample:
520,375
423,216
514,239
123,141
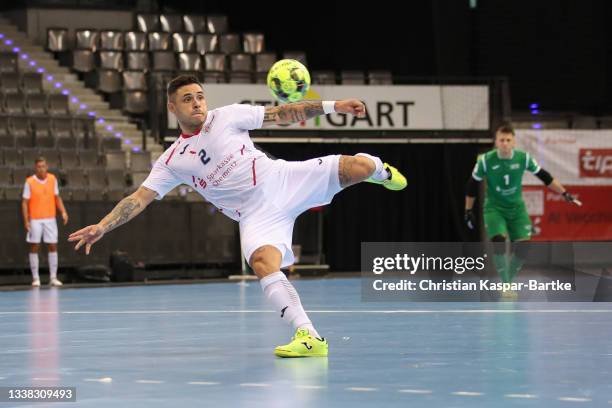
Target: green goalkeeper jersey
504,177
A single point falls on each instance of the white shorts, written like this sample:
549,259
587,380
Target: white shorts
43,228
291,189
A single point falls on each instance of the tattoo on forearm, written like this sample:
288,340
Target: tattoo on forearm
344,171
122,213
293,112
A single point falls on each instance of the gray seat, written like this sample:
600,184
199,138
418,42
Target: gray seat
116,179
264,61
206,42
109,144
88,158
20,174
217,24
159,41
45,142
213,77
12,157
29,156
67,143
111,60
7,141
20,127
109,81
6,176
253,43
240,77
58,105
171,23
135,41
138,178
147,22
75,178
241,62
11,82
83,61
111,40
229,43
57,39
137,60
69,158
163,61
140,162
134,81
31,83
135,102
52,157
3,127
190,61
324,77
14,104
215,62
115,160
296,55
352,78
97,179
62,127
86,39
8,62
193,23
183,42
380,78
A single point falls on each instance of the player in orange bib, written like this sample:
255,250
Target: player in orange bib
39,207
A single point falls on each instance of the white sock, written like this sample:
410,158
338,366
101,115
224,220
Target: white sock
53,265
34,266
380,173
285,299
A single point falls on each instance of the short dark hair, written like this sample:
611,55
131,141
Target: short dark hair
39,159
505,128
180,81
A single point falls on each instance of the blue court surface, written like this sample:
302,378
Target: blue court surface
211,345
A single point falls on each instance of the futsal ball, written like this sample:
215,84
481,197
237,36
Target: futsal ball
288,80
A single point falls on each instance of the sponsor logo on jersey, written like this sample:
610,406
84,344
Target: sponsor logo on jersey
495,167
514,166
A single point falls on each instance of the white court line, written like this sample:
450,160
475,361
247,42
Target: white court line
424,311
574,399
467,393
149,382
361,389
102,380
310,387
411,391
526,396
202,383
45,379
255,385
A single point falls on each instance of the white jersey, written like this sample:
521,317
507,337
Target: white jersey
220,161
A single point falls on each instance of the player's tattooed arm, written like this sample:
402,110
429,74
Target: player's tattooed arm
292,113
128,208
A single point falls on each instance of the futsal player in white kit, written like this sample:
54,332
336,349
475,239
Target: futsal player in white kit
216,157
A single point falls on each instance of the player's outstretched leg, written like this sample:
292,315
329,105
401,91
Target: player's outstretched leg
365,167
306,342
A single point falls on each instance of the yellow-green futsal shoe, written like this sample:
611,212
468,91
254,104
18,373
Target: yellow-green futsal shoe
395,182
303,345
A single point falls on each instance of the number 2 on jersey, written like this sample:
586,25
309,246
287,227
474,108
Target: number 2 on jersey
507,179
203,158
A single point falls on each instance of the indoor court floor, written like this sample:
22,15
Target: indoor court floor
211,344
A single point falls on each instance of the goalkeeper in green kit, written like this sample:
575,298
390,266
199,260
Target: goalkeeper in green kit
505,213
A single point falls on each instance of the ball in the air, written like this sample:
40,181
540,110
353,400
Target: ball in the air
288,80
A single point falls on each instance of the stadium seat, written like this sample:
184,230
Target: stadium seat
30,155
147,22
57,105
69,158
171,23
135,41
135,102
109,81
140,162
111,60
20,128
8,62
57,39
215,62
14,104
217,24
36,105
323,77
213,77
137,60
11,82
190,61
6,176
12,157
88,158
108,144
3,127
7,141
164,61
67,143
206,42
229,43
296,55
62,126
241,62
115,160
83,61
380,78
31,83
264,61
253,43
40,126
97,179
352,78
111,40
159,41
116,179
75,178
52,157
20,174
194,23
134,81
138,178
183,42
240,77
86,39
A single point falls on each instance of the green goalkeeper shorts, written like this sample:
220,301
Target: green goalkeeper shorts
514,224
